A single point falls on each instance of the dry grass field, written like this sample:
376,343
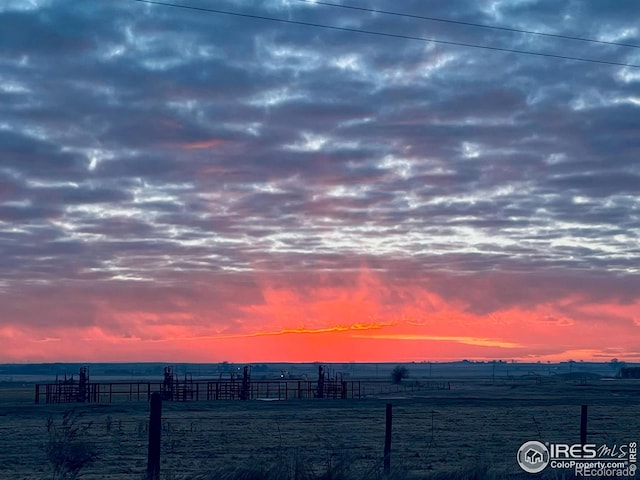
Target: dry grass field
470,431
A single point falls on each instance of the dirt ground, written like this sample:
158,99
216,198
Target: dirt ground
475,424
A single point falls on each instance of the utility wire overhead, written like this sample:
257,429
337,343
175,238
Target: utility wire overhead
384,34
470,24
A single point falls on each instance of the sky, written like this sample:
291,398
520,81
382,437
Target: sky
181,184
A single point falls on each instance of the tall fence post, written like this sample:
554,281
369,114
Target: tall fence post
155,430
387,440
583,424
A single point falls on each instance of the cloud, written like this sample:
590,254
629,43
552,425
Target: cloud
171,172
486,342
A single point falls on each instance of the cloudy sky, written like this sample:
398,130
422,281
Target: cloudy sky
181,184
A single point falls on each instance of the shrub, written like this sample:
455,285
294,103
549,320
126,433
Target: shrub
398,373
67,448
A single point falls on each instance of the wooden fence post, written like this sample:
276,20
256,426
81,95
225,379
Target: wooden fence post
155,430
583,424
387,441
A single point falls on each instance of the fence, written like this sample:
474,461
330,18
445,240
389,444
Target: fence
227,389
207,436
67,392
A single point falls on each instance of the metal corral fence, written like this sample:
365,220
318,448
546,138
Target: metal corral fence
195,391
226,390
184,388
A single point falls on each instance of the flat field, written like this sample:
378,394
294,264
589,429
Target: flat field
477,426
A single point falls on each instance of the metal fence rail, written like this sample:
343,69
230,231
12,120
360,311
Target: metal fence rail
190,390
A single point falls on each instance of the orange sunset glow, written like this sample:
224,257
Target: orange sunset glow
363,320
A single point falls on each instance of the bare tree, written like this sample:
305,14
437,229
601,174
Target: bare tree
398,373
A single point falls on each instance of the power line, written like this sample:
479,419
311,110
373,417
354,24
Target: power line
391,35
470,24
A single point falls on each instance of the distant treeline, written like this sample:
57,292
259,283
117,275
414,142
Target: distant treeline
73,368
